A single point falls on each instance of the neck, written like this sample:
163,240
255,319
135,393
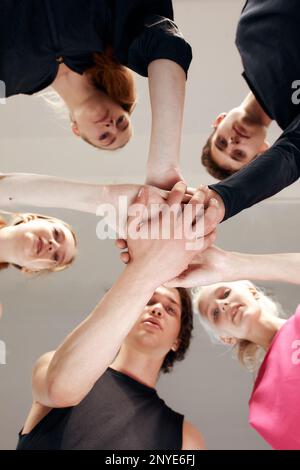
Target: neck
265,331
252,107
72,87
6,245
138,365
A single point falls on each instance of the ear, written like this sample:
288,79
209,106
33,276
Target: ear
218,121
265,146
175,345
229,340
75,129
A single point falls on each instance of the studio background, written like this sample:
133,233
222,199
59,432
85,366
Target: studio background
209,387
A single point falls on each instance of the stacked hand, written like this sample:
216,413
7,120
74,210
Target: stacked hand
170,255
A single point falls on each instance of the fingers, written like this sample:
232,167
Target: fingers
125,257
177,194
121,244
142,196
211,216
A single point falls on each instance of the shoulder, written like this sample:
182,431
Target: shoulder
192,439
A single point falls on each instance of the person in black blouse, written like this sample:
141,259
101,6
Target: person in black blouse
84,49
267,38
97,390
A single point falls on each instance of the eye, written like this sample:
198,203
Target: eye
226,293
122,123
56,234
104,136
215,314
222,143
121,119
55,257
171,310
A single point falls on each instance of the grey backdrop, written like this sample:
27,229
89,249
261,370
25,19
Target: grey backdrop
208,387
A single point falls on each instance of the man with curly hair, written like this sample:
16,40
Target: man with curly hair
97,390
123,410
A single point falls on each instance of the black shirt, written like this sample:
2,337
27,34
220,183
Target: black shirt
36,35
119,413
268,39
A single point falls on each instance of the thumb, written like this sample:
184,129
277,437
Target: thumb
142,196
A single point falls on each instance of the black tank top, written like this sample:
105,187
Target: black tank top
119,413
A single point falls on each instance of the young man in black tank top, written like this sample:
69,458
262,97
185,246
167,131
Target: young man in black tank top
97,391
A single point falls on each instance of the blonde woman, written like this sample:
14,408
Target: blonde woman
35,243
240,315
86,50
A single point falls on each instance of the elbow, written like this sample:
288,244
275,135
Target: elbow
63,395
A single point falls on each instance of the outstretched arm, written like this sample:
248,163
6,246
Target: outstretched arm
216,265
30,190
64,378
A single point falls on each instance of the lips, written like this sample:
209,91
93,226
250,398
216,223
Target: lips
153,322
39,246
241,132
234,311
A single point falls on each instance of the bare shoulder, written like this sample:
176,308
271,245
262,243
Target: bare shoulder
192,439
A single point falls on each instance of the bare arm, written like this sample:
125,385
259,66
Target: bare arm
167,93
191,437
30,190
22,189
63,379
216,265
282,267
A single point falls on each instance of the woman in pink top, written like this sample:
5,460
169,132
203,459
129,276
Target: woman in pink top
239,314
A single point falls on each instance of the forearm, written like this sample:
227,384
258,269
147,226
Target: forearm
167,93
284,267
21,189
91,347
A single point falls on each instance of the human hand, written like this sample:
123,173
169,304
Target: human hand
156,252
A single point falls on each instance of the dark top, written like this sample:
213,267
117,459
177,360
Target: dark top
119,413
268,38
36,35
273,171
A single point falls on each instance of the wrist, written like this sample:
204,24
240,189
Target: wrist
221,204
237,266
139,273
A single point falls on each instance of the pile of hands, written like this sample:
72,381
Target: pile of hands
169,259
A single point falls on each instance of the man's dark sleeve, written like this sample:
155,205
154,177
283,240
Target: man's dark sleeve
271,172
160,39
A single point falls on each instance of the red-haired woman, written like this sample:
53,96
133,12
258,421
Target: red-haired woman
86,50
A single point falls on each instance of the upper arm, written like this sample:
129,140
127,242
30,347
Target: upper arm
191,438
160,39
42,388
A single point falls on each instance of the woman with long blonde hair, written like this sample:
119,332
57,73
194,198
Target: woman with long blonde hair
237,313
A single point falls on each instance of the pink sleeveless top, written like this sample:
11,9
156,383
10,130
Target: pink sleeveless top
275,400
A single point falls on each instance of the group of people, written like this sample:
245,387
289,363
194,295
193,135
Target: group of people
97,390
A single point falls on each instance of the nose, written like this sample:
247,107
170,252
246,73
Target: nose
156,310
53,245
110,123
223,304
235,139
